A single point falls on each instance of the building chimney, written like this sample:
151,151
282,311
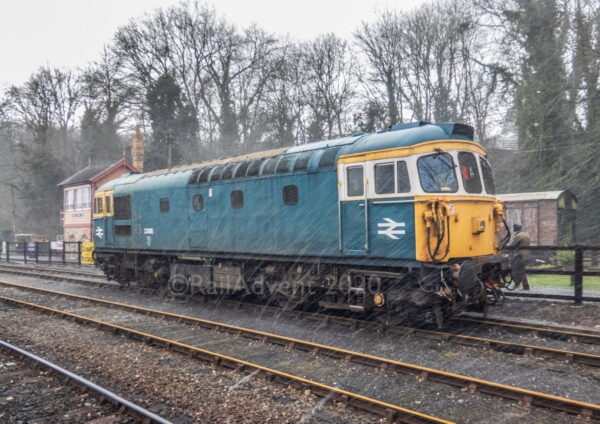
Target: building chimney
137,149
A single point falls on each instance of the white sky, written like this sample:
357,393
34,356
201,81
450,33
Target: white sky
71,33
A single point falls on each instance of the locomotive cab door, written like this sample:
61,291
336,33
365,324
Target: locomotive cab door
197,218
354,210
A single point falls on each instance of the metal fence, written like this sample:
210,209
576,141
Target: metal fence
562,272
65,253
554,272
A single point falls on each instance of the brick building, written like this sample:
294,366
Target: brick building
79,191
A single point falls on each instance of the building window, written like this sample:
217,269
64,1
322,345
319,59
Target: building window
237,199
198,202
164,205
290,194
70,200
87,198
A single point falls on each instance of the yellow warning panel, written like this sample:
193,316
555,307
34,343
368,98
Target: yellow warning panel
87,253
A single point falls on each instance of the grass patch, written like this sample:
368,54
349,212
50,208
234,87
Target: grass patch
562,281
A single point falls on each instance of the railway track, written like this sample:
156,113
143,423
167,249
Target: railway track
57,385
133,314
460,335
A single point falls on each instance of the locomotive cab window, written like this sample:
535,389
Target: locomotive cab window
469,172
355,180
488,179
402,178
437,173
198,202
107,204
237,199
384,178
164,205
98,208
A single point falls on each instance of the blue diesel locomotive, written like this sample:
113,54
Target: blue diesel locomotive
401,223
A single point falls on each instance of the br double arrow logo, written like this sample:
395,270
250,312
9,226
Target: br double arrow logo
390,228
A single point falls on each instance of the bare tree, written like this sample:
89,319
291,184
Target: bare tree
329,88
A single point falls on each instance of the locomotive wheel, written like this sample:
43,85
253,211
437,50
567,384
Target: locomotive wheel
178,286
392,315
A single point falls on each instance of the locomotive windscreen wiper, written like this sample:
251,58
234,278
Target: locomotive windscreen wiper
440,152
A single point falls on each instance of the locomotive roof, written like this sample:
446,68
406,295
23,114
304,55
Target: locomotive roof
402,135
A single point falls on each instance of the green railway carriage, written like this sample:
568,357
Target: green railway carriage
401,222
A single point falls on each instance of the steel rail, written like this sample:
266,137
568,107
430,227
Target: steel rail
423,373
122,404
462,339
579,335
583,336
8,267
393,413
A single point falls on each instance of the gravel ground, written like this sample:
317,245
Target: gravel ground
172,385
20,400
523,371
549,312
432,398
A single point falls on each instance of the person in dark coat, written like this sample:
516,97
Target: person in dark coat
521,257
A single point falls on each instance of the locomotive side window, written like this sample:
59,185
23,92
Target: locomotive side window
164,205
216,174
355,181
469,172
253,168
328,157
203,175
240,172
290,194
122,207
237,199
402,179
488,180
283,165
384,178
301,163
269,166
198,202
227,172
123,230
437,173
